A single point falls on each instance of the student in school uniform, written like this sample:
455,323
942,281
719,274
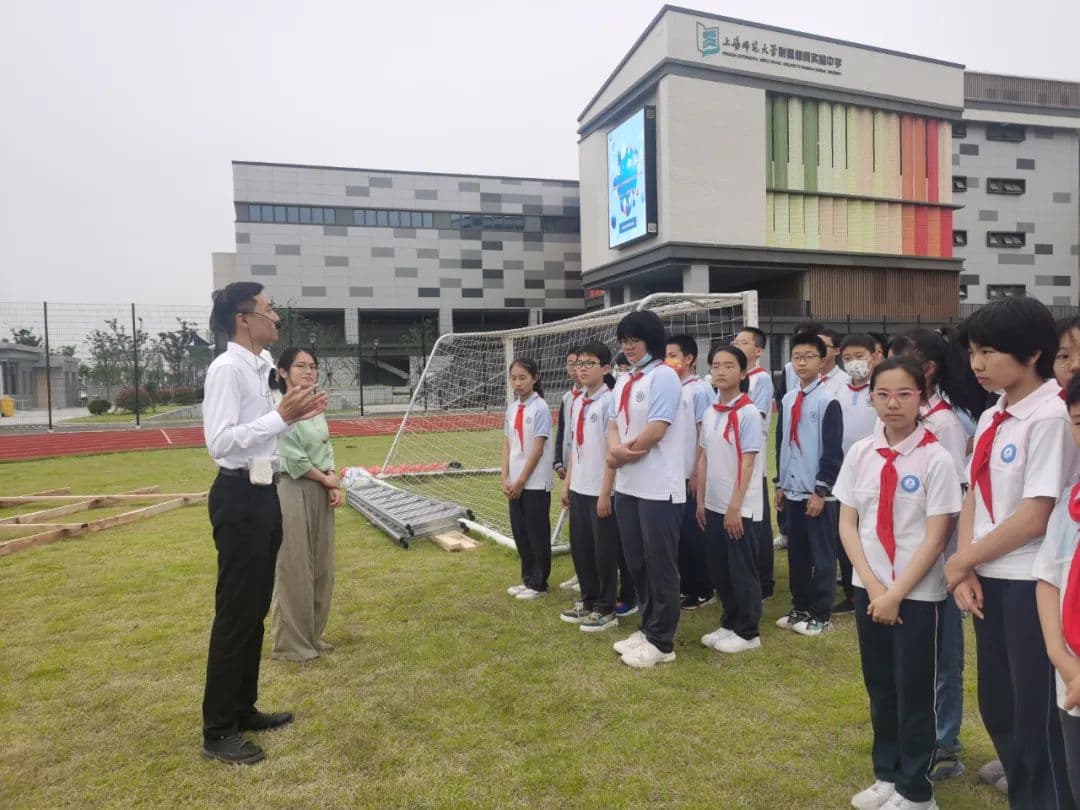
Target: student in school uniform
594,535
1022,459
953,393
728,500
859,353
759,386
809,438
563,437
789,381
1067,359
694,399
899,494
1057,570
834,377
645,449
526,477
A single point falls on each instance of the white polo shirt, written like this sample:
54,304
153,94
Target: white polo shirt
537,422
759,386
722,461
859,414
1053,563
1033,456
835,380
588,460
927,485
659,474
950,432
694,399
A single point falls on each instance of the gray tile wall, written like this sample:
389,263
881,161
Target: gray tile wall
1048,213
331,267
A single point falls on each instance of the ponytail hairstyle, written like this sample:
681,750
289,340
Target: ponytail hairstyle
908,364
231,300
284,363
954,375
533,370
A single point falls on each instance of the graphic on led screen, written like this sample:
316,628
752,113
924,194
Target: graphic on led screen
627,181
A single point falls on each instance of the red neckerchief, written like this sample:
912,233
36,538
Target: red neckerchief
519,425
574,393
944,405
980,460
858,388
732,427
579,432
887,497
755,370
1070,606
624,398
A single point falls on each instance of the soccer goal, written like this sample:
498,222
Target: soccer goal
449,443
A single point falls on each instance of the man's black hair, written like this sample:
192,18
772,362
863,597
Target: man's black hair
760,339
230,300
597,350
861,340
686,344
810,339
1020,326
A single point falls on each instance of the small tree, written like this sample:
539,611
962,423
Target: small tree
67,351
111,357
176,349
25,337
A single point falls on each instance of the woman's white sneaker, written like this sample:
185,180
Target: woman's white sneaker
634,640
647,655
874,796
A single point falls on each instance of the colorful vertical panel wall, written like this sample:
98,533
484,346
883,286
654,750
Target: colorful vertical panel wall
892,172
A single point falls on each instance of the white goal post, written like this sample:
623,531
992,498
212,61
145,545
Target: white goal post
449,442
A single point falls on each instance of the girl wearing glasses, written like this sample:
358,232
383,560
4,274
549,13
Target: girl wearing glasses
899,493
309,494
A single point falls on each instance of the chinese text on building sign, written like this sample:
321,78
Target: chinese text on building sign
711,42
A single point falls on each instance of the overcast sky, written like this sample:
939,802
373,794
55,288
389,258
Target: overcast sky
119,119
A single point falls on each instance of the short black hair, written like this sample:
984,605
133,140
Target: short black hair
231,300
1066,325
620,360
734,351
597,350
645,326
810,339
808,326
686,344
573,350
881,340
1072,393
832,335
905,363
760,339
1020,326
862,341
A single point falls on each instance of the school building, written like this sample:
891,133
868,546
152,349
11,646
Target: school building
835,178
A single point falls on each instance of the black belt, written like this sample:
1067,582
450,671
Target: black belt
242,472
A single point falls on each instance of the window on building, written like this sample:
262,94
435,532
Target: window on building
316,216
293,214
1013,133
255,213
1006,239
963,292
305,215
959,183
1004,185
959,130
382,219
999,292
395,219
279,213
959,238
328,217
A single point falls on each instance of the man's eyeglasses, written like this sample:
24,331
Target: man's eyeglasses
584,364
804,358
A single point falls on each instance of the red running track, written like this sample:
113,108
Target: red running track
27,446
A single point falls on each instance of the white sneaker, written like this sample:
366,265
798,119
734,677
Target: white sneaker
877,795
780,541
709,639
633,641
807,626
514,590
898,802
737,644
646,655
528,594
789,619
570,584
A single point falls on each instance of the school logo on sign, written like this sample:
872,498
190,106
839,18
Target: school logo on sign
639,396
910,483
1008,453
708,39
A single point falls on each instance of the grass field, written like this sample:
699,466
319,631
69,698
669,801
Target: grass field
442,691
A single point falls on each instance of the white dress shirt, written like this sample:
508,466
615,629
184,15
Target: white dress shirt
240,421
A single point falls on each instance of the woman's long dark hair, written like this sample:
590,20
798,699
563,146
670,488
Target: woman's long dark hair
954,375
533,369
284,363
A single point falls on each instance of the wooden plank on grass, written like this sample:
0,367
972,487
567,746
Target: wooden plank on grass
146,511
40,539
43,515
18,500
60,491
17,528
453,541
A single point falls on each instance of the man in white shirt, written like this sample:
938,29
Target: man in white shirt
241,428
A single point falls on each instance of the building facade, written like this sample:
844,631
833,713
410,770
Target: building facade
826,175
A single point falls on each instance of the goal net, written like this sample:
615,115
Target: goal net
449,443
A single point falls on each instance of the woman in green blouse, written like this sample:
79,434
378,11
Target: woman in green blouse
309,493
